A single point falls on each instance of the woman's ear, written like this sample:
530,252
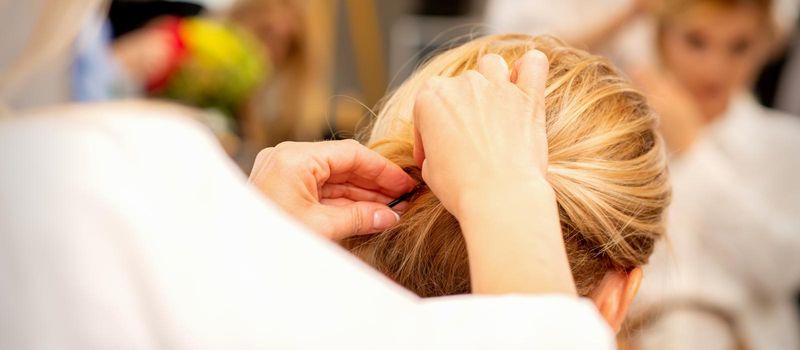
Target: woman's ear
615,293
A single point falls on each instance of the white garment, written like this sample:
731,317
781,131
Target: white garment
125,226
572,19
789,83
734,234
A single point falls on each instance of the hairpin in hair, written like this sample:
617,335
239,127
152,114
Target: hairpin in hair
406,196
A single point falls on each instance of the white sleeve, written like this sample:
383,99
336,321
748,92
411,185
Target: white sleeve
536,17
126,231
738,222
686,330
516,16
565,18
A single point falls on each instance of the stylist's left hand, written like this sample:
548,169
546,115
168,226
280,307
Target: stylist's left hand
337,188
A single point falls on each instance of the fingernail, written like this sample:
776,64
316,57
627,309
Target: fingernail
383,219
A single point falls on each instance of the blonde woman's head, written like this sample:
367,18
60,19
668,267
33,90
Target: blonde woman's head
606,164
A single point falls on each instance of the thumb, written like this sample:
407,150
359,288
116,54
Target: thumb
358,218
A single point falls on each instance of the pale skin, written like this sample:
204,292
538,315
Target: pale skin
337,188
710,55
481,142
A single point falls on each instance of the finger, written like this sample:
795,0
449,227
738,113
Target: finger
358,218
400,208
419,148
336,202
353,193
421,104
494,68
261,158
425,172
349,161
531,74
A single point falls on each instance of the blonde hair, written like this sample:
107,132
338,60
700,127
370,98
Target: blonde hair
607,167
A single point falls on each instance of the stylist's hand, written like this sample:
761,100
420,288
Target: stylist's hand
484,131
337,188
481,140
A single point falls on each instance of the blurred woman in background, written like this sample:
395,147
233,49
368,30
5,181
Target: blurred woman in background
734,228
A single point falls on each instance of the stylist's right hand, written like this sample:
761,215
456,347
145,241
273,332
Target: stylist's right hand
480,138
483,132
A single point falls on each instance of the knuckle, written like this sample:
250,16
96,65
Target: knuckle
351,142
432,84
350,146
492,58
475,78
473,75
424,98
356,220
284,147
264,154
285,153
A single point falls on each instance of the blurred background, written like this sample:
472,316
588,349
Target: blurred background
266,71
313,69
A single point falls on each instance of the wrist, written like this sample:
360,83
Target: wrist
493,196
505,207
514,241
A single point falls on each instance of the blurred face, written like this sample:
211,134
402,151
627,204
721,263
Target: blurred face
277,25
715,52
